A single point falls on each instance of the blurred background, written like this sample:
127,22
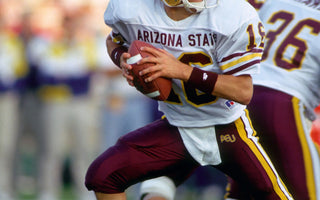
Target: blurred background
63,102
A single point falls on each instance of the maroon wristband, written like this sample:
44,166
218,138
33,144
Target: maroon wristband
116,54
203,80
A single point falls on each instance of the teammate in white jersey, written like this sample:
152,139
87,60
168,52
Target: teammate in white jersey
210,49
285,95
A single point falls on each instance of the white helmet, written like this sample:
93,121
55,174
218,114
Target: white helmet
193,7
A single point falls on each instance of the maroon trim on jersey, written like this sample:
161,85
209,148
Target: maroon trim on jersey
230,57
247,65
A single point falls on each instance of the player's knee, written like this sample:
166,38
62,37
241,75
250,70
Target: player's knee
92,178
104,174
108,181
162,188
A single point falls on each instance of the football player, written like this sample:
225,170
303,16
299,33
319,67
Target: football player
285,94
210,49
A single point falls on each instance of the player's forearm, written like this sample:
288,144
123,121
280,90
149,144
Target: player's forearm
235,88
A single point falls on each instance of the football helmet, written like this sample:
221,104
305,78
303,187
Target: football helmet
193,7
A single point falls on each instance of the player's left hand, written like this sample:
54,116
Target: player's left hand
126,68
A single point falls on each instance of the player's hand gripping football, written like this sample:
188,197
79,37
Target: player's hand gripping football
165,65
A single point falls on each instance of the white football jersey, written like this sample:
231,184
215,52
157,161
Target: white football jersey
226,39
291,60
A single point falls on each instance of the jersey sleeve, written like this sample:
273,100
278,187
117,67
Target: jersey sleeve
111,19
240,52
115,17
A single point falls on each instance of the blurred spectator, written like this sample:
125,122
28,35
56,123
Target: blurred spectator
65,62
13,70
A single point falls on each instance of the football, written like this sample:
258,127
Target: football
159,89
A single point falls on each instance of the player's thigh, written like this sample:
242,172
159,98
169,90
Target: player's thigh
244,160
154,150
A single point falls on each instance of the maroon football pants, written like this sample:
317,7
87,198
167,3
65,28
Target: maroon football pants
158,150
